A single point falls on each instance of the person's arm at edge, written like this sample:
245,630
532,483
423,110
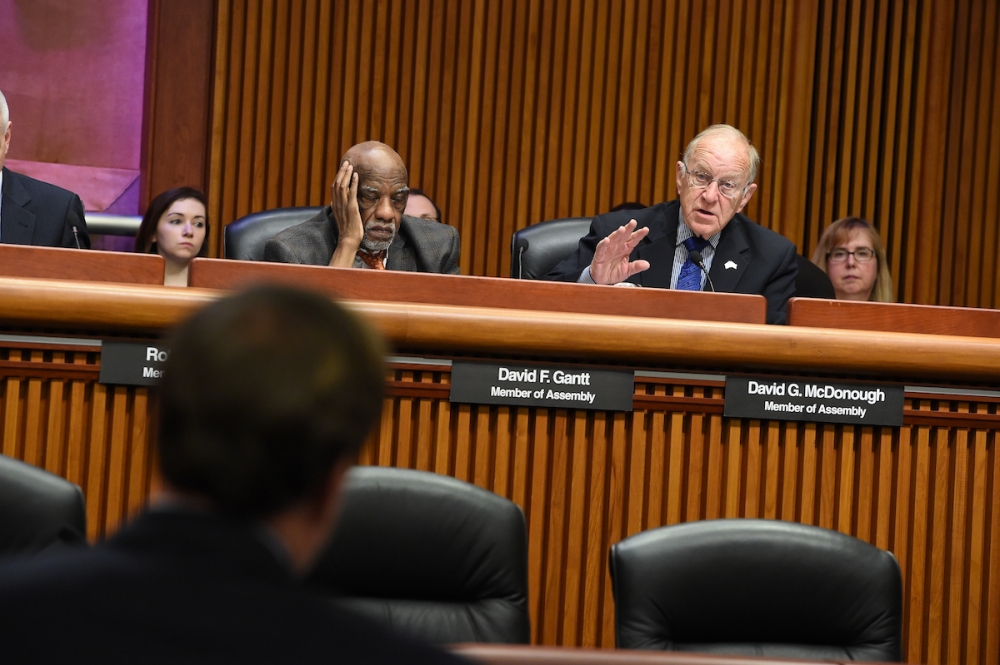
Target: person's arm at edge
450,262
781,287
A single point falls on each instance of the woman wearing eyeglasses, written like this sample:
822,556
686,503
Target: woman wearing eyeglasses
851,253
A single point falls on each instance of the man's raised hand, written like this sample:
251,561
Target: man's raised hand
610,264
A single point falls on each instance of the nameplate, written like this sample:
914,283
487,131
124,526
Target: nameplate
551,386
131,363
770,398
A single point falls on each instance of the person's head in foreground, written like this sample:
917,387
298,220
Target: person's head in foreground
850,251
175,226
420,205
715,180
267,397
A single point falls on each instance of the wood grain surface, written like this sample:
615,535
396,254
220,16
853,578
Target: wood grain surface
81,265
498,292
894,317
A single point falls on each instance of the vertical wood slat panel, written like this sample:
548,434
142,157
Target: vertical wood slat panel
990,123
991,585
95,484
73,427
926,493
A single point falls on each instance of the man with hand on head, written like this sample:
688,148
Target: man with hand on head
33,212
654,247
364,225
266,398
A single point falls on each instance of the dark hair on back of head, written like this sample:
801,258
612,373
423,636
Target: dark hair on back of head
145,237
263,392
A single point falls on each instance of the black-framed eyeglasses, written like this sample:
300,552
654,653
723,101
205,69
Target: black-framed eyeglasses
861,255
703,180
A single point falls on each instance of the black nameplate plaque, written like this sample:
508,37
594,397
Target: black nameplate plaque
550,386
813,400
132,363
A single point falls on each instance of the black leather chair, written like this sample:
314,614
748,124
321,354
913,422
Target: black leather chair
245,238
812,282
39,511
535,250
757,588
433,556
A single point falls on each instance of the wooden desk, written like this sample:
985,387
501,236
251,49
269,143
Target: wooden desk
929,491
84,265
412,287
516,654
894,317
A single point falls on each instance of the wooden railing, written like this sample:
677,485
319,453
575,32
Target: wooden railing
894,317
408,287
64,306
80,265
928,491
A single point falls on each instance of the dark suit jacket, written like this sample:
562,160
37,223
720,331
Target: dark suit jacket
182,587
420,245
765,260
37,213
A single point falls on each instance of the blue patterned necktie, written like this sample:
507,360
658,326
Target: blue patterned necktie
690,277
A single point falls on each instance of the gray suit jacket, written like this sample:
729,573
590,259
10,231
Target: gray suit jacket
37,213
420,245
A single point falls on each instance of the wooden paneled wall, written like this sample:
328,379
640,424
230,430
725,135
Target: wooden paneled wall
512,112
175,147
904,133
57,417
929,492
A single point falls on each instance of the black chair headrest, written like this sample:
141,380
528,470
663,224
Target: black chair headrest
38,510
535,250
437,556
746,586
245,238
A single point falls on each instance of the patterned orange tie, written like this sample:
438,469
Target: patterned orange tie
374,260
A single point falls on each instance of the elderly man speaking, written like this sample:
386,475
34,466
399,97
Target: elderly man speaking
364,225
653,247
